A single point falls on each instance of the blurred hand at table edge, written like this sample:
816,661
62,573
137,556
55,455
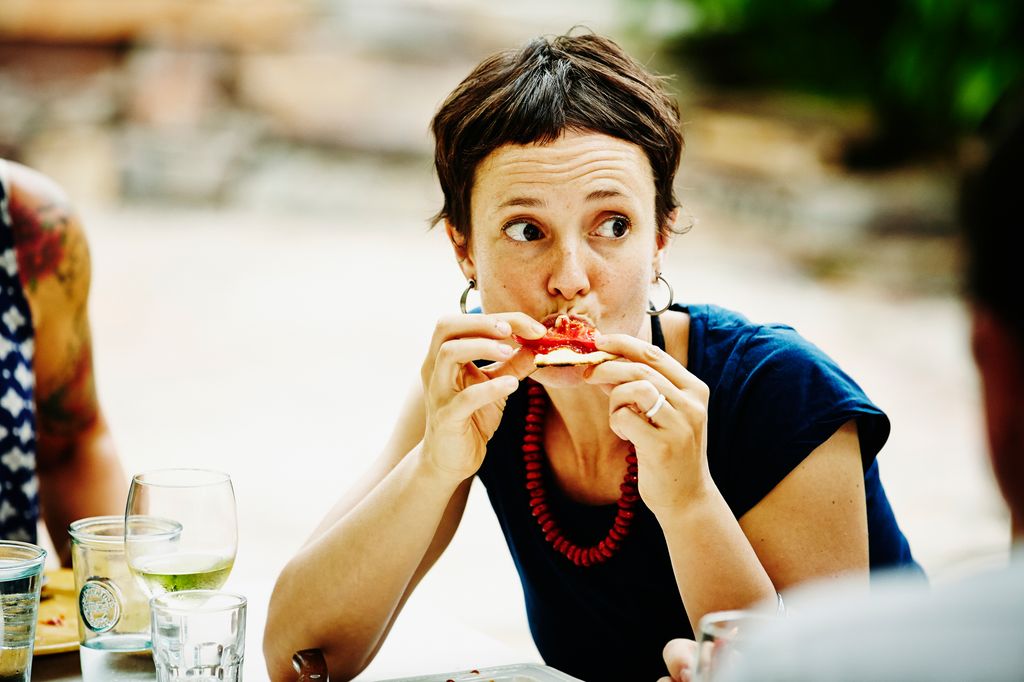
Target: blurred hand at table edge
680,660
79,473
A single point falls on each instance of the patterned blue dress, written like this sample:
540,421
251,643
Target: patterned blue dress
19,485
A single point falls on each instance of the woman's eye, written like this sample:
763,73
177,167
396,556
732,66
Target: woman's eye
522,231
614,228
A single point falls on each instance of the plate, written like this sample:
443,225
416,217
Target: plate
57,628
523,672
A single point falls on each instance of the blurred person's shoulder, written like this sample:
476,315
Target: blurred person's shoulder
902,631
49,241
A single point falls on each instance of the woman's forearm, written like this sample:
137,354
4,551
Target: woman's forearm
811,526
714,564
342,590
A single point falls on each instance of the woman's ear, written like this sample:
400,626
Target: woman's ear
460,245
664,239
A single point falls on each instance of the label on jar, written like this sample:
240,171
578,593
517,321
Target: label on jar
99,602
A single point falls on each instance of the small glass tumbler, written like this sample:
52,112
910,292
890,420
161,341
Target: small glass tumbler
721,639
21,566
199,636
113,611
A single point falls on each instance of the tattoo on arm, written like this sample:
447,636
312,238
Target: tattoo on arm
71,405
41,233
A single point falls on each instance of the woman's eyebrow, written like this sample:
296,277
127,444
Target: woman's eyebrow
604,194
533,202
527,202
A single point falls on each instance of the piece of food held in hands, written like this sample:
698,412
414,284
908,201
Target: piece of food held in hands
569,341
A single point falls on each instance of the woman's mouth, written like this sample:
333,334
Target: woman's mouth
552,319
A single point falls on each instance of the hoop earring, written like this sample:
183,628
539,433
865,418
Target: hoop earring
465,295
654,312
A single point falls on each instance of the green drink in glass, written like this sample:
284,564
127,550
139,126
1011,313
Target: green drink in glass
202,502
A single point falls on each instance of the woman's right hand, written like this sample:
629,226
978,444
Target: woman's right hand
463,402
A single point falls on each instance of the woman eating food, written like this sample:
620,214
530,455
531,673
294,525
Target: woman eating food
648,462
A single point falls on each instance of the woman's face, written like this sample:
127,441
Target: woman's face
566,227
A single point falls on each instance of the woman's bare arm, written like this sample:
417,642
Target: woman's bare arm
343,590
79,471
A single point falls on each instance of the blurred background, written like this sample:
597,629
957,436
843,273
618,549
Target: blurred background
256,177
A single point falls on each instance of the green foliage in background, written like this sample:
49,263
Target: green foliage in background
930,69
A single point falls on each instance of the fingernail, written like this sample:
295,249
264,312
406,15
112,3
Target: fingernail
540,329
506,350
504,328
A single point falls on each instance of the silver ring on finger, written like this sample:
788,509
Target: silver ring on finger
658,404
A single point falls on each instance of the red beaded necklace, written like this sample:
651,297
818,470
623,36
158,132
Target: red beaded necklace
534,457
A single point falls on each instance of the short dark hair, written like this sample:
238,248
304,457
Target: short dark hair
991,215
537,92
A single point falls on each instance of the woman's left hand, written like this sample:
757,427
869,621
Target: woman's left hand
670,439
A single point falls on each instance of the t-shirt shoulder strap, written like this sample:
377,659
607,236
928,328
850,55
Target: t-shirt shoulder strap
657,336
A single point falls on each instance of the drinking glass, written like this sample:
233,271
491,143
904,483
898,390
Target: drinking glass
199,636
21,566
722,637
202,503
113,612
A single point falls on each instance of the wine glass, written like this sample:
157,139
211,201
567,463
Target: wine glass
721,639
201,504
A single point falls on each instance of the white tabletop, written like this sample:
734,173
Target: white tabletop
425,639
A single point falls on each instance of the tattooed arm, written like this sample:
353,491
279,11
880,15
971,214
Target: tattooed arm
79,472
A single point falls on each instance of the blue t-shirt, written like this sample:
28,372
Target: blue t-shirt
775,397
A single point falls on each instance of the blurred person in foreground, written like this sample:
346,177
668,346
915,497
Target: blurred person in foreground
57,458
973,630
711,465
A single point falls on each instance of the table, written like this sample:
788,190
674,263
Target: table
65,667
56,668
424,640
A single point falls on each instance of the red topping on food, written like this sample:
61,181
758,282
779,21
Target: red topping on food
57,621
566,332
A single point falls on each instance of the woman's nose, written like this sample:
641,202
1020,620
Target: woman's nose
568,270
